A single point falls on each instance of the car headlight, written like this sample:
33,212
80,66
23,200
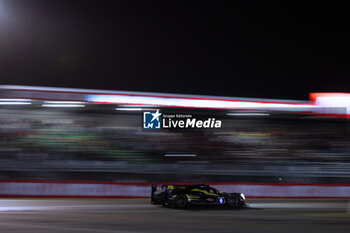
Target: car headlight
242,196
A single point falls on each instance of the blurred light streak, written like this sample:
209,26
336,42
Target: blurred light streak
64,105
196,102
64,102
334,102
247,114
21,100
180,155
314,96
134,106
15,103
128,109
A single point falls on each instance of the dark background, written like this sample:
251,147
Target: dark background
245,49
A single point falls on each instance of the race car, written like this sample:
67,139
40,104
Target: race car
181,196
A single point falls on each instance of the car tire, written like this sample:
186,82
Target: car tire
232,201
181,201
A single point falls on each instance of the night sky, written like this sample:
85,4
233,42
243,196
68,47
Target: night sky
243,49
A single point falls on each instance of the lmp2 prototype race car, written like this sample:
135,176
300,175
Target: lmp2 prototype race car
181,196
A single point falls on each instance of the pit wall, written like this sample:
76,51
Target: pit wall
85,189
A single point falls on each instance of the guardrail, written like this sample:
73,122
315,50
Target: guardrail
292,169
86,189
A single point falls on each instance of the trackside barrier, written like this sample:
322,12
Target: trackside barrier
267,190
76,189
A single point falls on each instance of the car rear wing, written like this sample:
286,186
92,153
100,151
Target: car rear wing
154,189
165,188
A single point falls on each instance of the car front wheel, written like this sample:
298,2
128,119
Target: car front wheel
232,201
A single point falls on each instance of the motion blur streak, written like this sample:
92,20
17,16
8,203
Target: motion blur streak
63,102
14,103
180,155
139,216
64,105
193,103
128,109
21,100
57,135
248,114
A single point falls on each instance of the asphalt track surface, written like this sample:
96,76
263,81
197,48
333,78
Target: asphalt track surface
135,216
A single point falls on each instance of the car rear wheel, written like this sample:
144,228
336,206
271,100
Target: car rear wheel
232,201
181,201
